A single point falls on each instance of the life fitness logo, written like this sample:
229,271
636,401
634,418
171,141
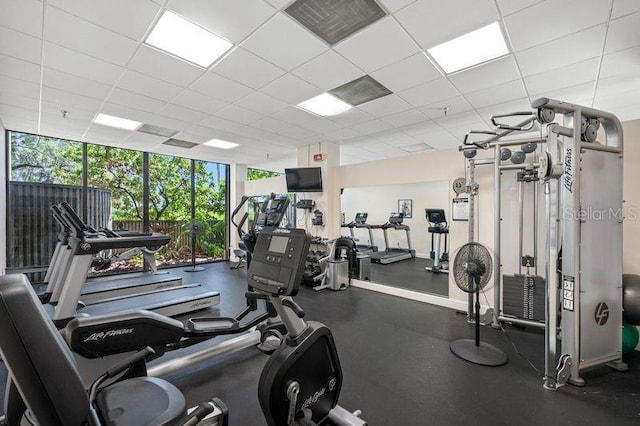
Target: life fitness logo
602,313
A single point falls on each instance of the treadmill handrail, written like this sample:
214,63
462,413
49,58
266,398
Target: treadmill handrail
94,245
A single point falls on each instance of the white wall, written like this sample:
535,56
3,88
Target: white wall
3,201
380,201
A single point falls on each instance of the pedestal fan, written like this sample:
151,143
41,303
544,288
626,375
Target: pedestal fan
195,229
471,270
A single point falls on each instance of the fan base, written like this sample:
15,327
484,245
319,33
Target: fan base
485,354
195,269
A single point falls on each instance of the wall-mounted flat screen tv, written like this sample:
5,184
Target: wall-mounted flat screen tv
304,179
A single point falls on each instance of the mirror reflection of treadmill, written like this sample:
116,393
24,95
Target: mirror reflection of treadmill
393,254
360,222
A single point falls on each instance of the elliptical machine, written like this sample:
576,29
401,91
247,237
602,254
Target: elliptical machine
301,382
438,227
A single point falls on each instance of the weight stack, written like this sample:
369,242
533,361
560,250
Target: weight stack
523,297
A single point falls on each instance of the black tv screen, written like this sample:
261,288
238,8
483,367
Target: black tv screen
304,179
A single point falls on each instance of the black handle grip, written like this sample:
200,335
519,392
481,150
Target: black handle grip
256,296
237,209
297,309
127,362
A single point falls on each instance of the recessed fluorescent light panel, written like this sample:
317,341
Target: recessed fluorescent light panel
470,49
177,36
217,143
324,105
117,122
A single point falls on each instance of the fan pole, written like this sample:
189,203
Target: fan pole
192,230
476,280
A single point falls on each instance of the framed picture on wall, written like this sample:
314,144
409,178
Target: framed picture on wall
404,206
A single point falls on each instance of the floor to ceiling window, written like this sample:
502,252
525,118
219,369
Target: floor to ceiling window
45,171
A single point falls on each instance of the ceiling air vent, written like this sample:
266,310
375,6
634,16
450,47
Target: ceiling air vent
180,143
361,90
335,20
416,148
157,130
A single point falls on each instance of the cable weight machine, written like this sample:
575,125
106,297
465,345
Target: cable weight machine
581,182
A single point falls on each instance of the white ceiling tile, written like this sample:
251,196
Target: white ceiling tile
182,113
553,19
279,4
220,124
195,100
23,15
19,124
321,125
141,141
11,111
284,42
261,103
70,100
373,126
270,124
148,86
130,18
430,92
19,87
507,7
18,101
75,114
135,100
239,114
20,45
17,68
457,120
618,85
623,33
497,95
219,87
624,7
294,115
440,140
395,5
620,63
74,84
378,45
104,134
291,89
76,63
298,133
128,112
567,76
563,51
328,71
404,118
432,23
343,134
568,94
352,116
406,73
168,122
385,105
165,67
248,69
202,131
233,20
77,34
486,75
453,105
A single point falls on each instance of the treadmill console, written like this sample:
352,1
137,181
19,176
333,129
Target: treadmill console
278,261
396,218
435,216
361,218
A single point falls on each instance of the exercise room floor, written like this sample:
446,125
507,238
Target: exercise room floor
410,274
399,371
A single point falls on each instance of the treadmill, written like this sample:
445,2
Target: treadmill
83,245
393,254
360,222
102,288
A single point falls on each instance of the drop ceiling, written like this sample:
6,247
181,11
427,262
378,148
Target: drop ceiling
89,57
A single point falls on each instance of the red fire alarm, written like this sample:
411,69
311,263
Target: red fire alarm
317,157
